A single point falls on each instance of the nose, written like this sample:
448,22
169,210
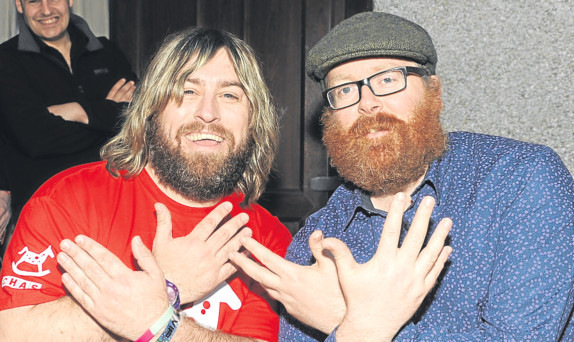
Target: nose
369,103
208,110
46,10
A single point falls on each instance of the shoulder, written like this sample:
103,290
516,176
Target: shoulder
76,179
108,47
473,151
490,145
9,48
336,212
10,44
505,167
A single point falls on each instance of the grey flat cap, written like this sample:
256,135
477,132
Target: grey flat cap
370,34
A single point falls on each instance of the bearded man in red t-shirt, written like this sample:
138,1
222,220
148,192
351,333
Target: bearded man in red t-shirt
181,179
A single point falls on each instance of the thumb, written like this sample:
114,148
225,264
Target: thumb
317,249
145,258
164,229
342,255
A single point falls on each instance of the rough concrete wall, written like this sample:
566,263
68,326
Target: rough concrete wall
507,67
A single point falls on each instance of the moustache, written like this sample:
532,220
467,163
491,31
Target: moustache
379,122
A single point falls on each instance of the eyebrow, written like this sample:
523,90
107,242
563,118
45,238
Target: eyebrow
220,83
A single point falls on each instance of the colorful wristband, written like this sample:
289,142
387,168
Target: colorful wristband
171,328
156,327
172,294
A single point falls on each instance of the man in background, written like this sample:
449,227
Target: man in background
62,91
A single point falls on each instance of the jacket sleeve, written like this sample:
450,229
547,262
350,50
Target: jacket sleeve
28,124
105,115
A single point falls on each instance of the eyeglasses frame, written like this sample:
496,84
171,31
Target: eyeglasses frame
406,70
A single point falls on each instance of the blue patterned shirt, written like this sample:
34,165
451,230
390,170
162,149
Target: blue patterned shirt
511,273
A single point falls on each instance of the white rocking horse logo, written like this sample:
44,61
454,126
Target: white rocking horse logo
33,259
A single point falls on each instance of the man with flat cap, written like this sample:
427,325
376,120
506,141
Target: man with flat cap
510,276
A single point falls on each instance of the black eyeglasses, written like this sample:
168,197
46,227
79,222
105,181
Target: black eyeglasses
383,83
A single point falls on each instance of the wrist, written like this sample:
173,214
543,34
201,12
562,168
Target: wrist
362,329
164,320
171,327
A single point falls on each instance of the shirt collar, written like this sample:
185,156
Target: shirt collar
431,180
28,41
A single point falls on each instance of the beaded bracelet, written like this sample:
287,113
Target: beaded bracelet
156,327
171,327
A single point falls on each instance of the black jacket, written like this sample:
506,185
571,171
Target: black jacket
34,76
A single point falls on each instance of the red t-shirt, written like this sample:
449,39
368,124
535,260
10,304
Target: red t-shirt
87,200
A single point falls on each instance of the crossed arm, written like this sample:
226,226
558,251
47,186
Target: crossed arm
109,301
367,302
121,91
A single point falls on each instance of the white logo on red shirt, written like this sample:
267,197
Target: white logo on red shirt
205,311
20,284
33,259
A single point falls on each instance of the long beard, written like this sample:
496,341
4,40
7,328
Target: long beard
197,176
389,164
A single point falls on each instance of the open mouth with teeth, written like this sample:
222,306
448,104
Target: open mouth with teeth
207,137
48,21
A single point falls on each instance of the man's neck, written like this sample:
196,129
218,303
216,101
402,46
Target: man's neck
383,202
176,196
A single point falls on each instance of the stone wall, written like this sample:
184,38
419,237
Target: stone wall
507,67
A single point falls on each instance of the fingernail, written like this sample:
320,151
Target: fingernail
401,197
244,217
138,240
80,240
227,205
65,245
428,201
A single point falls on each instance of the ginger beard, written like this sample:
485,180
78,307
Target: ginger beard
388,164
197,176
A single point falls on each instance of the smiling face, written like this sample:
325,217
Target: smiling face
48,19
213,117
199,148
383,144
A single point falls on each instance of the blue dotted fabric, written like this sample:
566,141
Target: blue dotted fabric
511,274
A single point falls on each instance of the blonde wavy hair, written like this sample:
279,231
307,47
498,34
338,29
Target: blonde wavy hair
128,152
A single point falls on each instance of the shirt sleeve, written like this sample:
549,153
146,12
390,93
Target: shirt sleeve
530,295
30,273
